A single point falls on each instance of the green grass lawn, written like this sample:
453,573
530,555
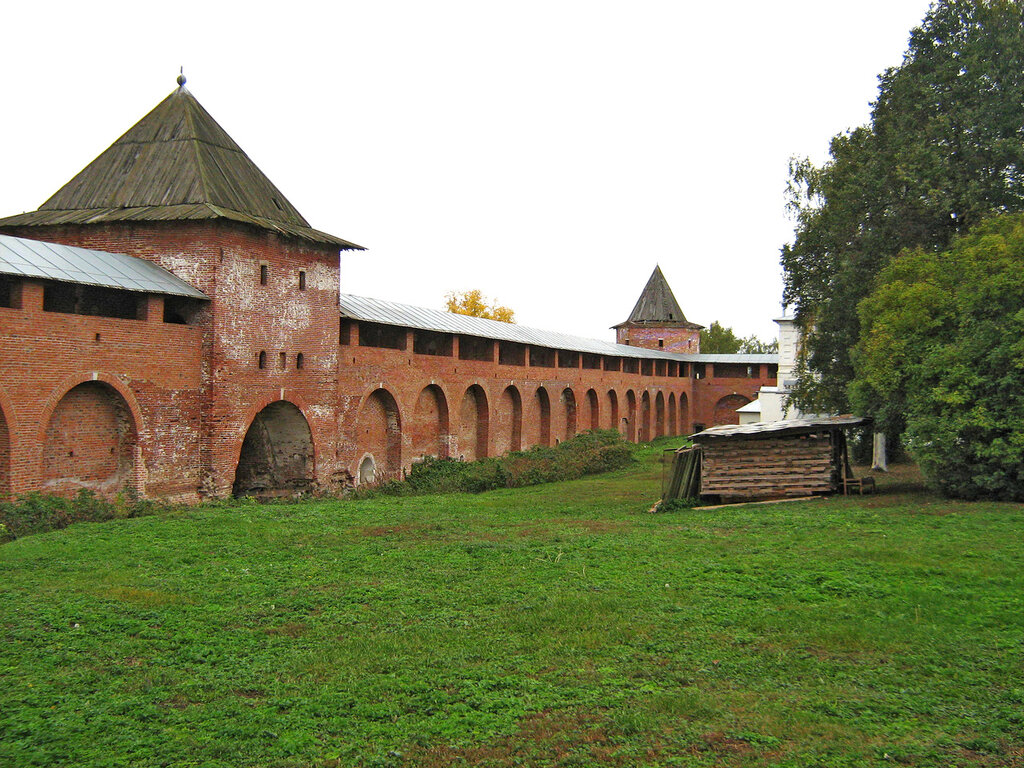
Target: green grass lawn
557,625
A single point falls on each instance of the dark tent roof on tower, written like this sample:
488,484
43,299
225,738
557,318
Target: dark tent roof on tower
657,305
175,164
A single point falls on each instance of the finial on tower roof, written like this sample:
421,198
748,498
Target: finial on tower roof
181,78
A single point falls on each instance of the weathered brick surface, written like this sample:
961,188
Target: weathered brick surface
429,395
5,456
667,339
90,441
165,408
150,375
199,387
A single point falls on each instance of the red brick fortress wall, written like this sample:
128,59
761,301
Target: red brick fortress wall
99,403
264,389
271,299
397,406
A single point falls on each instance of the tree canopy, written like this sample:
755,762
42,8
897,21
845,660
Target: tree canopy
717,339
475,304
941,359
943,150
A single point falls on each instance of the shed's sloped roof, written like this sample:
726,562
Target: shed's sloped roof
422,318
779,428
657,305
51,261
176,163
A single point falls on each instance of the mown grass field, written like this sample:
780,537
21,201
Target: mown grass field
558,625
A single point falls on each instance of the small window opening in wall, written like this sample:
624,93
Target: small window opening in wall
263,359
97,337
300,361
264,274
302,279
7,290
282,361
661,342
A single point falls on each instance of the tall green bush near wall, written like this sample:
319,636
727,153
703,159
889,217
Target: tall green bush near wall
941,359
587,453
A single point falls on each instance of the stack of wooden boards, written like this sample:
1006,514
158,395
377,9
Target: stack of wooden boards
769,468
684,478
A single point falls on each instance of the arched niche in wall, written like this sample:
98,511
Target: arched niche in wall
613,411
429,428
379,436
90,442
591,411
629,428
509,432
474,424
5,456
644,435
277,453
568,399
542,407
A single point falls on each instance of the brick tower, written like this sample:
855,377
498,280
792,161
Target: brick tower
657,321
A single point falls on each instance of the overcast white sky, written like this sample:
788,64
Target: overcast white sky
548,153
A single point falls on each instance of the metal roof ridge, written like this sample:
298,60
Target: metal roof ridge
426,318
44,260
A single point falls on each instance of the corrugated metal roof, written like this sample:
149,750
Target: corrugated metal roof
786,427
770,359
408,316
66,263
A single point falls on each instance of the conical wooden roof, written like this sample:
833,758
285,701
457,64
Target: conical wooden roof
657,305
176,163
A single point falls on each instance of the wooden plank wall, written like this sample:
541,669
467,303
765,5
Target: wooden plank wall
768,468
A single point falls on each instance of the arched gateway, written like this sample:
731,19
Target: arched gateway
277,453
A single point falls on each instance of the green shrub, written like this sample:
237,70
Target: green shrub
585,454
941,360
39,512
677,504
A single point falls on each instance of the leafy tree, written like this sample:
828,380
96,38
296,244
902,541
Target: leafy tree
475,304
754,346
941,359
719,340
943,150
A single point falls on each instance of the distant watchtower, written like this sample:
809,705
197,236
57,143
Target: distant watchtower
657,322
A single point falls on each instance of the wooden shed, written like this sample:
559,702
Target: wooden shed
796,457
